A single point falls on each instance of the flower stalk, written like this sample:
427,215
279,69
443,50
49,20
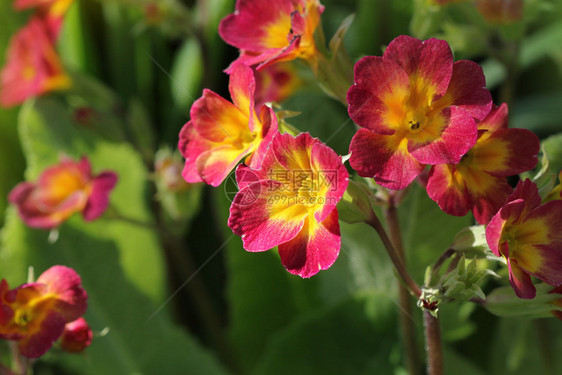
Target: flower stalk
433,344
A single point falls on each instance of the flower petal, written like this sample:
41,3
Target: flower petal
265,216
448,190
430,61
214,165
520,281
36,343
314,248
242,86
467,90
376,100
332,178
98,201
379,157
218,120
66,285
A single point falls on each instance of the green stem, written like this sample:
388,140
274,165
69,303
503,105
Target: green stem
394,257
406,321
433,344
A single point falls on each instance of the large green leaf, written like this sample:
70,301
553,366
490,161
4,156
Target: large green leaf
121,263
140,340
47,132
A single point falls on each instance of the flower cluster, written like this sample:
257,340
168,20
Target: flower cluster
33,67
37,314
62,190
422,116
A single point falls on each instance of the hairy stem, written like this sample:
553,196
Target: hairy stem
433,344
406,321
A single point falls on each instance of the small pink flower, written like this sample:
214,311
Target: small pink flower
77,336
290,202
416,107
528,235
479,181
35,314
32,67
220,133
268,31
61,191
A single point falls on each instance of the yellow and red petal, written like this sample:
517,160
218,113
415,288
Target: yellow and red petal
511,211
458,136
37,214
377,98
429,63
265,215
214,165
258,25
448,189
520,281
315,248
467,90
489,198
218,120
41,339
242,86
544,253
332,178
293,153
507,152
384,158
269,129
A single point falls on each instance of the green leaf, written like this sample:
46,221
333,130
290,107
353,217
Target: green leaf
552,147
471,239
187,73
503,302
352,337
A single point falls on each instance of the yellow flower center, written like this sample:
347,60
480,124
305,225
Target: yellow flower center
22,317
